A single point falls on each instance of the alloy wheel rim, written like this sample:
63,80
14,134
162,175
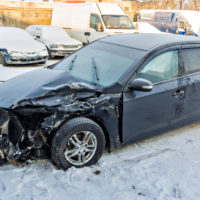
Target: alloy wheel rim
81,148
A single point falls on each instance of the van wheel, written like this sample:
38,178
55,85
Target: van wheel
2,59
79,142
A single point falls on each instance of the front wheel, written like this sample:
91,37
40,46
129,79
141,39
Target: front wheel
79,142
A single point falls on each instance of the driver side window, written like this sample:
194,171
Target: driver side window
161,68
95,23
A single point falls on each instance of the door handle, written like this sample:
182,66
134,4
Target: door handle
178,93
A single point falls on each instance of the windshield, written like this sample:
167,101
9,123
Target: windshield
50,32
11,34
99,63
117,22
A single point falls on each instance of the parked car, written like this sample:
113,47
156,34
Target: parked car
91,21
144,27
18,47
57,41
110,93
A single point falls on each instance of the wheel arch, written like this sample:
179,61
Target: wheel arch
112,139
105,131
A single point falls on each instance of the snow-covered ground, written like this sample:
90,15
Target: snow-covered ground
166,167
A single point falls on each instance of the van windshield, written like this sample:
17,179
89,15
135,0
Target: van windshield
117,22
99,63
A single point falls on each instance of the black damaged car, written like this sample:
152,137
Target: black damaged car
110,93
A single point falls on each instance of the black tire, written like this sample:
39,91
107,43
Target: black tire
2,59
64,133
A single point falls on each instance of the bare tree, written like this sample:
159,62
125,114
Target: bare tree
193,5
167,4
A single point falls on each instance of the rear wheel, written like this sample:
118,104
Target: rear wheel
2,59
79,142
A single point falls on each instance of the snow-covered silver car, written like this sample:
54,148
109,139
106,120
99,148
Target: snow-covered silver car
18,47
57,41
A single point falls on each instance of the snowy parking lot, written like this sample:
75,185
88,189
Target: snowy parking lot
165,167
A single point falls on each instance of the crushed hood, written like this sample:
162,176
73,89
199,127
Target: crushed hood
43,84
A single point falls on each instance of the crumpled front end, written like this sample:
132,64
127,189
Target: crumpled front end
31,123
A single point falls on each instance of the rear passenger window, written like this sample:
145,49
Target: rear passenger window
161,68
191,58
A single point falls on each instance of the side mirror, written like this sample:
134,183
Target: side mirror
141,84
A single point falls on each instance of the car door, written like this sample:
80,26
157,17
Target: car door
191,80
149,113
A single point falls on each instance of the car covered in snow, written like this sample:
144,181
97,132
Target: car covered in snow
17,47
112,92
57,41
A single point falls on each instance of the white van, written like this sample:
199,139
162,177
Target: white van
90,21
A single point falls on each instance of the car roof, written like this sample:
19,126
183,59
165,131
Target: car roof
149,41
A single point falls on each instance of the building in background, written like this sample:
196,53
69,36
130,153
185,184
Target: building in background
22,13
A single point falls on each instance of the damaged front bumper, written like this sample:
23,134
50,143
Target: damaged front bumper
26,143
30,124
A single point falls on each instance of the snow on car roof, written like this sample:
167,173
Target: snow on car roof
147,41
